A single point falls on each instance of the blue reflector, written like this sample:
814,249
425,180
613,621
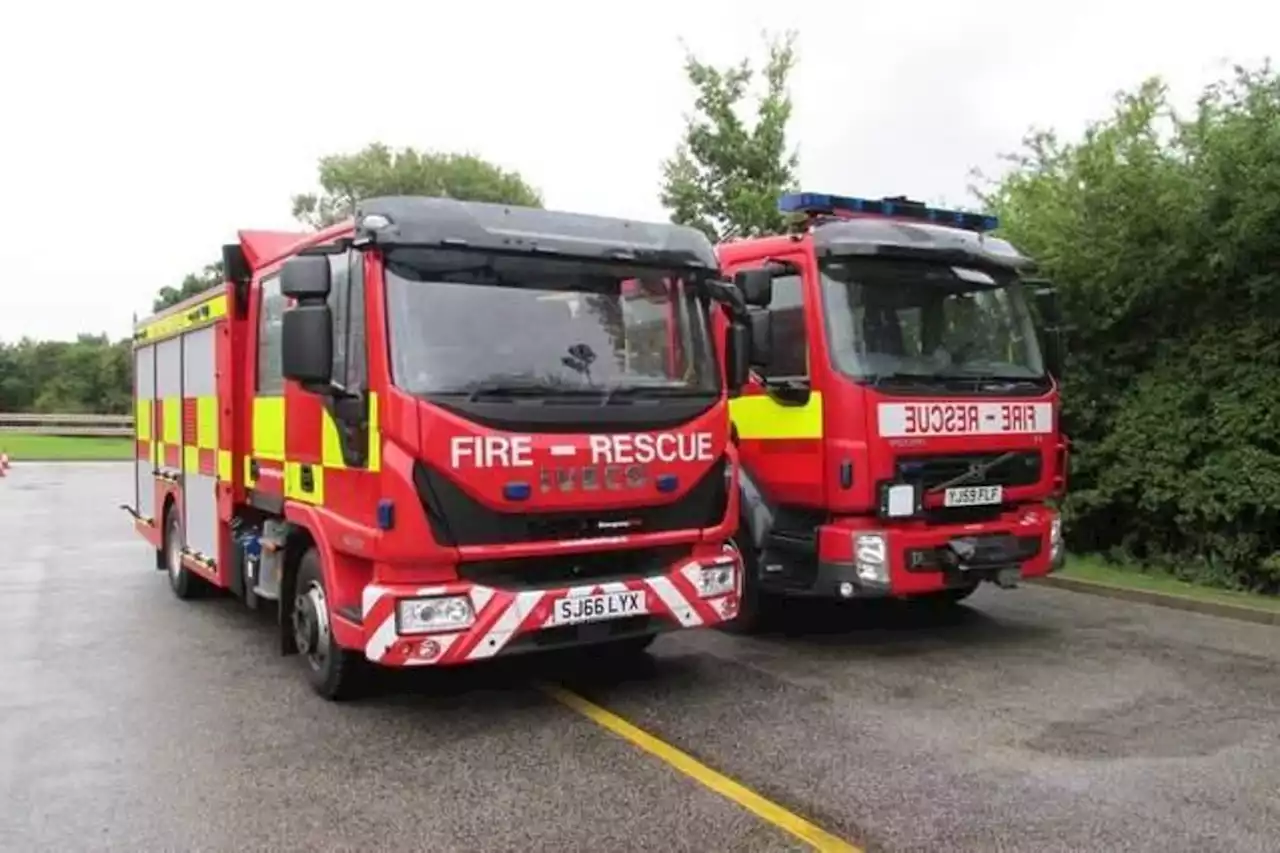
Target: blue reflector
516,491
815,204
667,482
386,514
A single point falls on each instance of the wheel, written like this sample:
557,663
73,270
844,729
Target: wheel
755,606
184,584
332,671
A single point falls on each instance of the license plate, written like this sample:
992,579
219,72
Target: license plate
973,496
595,608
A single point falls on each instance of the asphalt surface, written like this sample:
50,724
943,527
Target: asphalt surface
1036,720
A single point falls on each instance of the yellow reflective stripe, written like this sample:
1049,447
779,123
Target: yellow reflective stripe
249,479
191,459
142,419
207,423
157,453
224,466
293,486
330,442
761,417
268,428
375,435
172,426
193,316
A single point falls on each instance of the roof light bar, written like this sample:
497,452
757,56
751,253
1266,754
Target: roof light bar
819,204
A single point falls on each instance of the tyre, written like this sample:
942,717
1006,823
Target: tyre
755,606
332,671
184,584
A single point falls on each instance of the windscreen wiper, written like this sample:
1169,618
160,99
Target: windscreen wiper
631,392
500,390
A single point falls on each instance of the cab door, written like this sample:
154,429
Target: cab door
778,417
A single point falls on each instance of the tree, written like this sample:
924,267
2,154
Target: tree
210,276
377,170
725,177
1161,231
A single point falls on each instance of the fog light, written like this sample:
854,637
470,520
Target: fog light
425,615
846,590
871,557
715,580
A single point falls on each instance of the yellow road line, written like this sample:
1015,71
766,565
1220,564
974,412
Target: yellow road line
788,821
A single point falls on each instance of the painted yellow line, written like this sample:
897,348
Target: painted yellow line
788,821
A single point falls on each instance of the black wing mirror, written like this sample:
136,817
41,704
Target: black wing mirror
756,286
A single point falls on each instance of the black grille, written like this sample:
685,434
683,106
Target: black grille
1022,468
457,519
557,570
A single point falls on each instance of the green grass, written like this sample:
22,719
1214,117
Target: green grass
25,447
1098,571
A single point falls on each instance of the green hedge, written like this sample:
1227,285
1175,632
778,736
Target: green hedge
1163,233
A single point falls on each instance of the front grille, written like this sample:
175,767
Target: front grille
1021,469
558,570
456,518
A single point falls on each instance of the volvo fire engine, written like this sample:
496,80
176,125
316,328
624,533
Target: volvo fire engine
442,432
899,430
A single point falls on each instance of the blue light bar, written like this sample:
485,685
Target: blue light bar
817,204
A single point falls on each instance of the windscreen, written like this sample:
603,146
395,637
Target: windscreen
899,319
463,322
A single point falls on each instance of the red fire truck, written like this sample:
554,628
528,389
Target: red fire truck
899,430
443,431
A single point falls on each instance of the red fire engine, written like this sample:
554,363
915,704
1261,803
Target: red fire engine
445,431
899,431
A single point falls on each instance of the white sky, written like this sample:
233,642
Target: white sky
134,143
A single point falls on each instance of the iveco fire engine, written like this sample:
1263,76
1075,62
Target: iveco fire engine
443,431
899,430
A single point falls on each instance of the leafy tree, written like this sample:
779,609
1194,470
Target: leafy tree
90,374
210,276
725,176
1162,232
377,170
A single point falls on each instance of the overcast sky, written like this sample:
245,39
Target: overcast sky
135,142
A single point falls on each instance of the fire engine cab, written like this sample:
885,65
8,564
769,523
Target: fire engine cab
445,431
899,431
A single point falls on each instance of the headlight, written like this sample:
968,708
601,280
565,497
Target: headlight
898,500
715,580
1055,537
871,556
425,615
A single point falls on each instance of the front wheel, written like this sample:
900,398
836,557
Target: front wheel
755,606
332,671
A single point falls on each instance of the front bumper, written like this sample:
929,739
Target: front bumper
918,558
512,621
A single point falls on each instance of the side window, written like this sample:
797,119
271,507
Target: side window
790,343
346,301
270,321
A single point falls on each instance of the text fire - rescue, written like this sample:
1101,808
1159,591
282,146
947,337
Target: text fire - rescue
904,420
516,451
